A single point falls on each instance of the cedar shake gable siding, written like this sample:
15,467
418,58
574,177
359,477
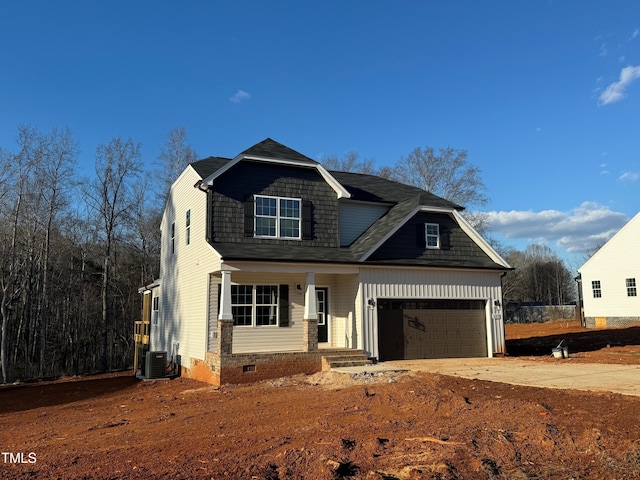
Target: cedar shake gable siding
456,249
246,179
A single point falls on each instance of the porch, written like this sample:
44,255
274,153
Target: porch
267,324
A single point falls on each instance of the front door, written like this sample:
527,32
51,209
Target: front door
322,306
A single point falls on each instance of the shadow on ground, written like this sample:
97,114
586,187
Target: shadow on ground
17,398
587,341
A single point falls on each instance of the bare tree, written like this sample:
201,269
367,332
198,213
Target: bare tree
111,198
445,173
350,162
58,169
174,156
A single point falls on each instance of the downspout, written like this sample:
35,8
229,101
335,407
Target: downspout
504,332
578,280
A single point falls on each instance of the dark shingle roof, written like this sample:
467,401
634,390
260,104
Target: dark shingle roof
207,166
403,199
271,149
377,189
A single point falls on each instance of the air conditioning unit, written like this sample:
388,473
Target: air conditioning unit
155,365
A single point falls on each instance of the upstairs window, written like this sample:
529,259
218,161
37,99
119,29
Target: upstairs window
597,290
631,287
173,238
188,225
432,235
277,217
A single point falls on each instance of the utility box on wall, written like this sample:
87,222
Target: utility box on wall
156,365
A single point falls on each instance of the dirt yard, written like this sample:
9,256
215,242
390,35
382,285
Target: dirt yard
331,426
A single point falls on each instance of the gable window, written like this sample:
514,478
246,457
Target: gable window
173,238
277,217
254,305
188,225
631,287
432,235
597,290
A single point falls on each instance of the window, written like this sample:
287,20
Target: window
188,224
173,238
597,291
631,287
277,217
432,234
254,305
154,316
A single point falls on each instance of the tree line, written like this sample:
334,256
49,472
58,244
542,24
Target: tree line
75,250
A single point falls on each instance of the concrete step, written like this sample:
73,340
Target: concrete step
345,359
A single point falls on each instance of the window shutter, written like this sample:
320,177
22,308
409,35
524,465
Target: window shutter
248,217
421,236
307,220
283,305
445,238
209,225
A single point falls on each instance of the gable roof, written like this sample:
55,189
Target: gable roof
405,201
269,148
611,243
271,151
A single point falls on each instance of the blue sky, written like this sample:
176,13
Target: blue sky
544,95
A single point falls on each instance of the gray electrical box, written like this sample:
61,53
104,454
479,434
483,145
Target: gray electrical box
156,365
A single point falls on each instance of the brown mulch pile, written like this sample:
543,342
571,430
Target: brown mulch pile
330,425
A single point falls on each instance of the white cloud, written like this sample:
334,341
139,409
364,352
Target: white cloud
578,231
635,33
616,91
240,96
629,177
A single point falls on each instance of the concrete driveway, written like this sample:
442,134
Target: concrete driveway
563,374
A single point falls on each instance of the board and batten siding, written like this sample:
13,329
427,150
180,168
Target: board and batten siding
356,217
185,273
416,283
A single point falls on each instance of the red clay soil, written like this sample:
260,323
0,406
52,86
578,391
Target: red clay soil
330,425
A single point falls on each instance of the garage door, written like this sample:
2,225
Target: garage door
410,329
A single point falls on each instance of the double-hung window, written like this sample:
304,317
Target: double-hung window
188,226
278,217
631,287
597,289
254,305
432,235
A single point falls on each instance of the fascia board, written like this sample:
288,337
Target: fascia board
341,192
397,227
479,240
604,247
271,267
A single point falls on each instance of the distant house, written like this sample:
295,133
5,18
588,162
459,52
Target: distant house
271,265
609,280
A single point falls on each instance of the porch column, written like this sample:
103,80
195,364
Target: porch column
310,320
225,317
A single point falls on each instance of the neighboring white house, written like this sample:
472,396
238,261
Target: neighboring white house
270,264
609,280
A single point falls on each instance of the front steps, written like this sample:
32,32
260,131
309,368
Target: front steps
344,358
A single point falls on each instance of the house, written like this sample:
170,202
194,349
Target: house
270,265
609,280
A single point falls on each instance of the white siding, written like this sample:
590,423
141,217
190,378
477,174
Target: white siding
355,218
431,284
185,273
616,261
